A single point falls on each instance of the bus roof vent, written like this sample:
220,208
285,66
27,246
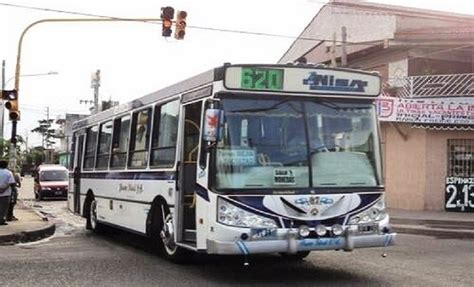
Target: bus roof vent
319,65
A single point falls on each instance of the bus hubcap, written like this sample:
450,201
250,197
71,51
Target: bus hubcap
93,214
167,234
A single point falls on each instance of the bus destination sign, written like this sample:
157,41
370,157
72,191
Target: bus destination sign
261,78
302,79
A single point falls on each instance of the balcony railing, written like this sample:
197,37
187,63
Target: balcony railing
431,86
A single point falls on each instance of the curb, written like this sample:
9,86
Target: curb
438,232
28,236
434,223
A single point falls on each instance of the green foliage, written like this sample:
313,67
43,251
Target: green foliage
47,132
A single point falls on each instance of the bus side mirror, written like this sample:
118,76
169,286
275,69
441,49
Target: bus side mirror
211,125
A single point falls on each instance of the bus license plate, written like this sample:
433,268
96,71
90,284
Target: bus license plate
263,233
368,228
58,192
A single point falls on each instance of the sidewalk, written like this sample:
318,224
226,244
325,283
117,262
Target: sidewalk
30,226
434,223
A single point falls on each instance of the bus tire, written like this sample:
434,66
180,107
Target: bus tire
300,255
163,235
91,215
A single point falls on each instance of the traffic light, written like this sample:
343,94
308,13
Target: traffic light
11,98
167,15
180,25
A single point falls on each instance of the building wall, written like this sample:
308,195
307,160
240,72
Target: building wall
437,163
415,165
330,19
405,166
424,66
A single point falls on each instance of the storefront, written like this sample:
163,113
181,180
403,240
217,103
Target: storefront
429,153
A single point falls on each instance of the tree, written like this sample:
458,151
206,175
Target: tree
47,132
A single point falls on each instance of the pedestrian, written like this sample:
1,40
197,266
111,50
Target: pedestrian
13,197
6,181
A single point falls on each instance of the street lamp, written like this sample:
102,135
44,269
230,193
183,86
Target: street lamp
31,75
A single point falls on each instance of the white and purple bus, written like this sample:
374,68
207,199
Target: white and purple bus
242,159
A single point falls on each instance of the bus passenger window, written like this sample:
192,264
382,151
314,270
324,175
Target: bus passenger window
91,144
103,151
139,138
165,131
120,142
72,154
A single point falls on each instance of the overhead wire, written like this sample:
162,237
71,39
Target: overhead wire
265,34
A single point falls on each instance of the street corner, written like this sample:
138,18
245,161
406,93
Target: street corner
30,226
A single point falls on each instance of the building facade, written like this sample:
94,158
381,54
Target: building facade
426,109
65,136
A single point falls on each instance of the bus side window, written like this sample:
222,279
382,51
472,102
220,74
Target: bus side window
91,145
103,152
120,142
139,138
72,155
165,131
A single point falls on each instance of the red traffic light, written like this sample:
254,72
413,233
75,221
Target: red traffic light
167,14
9,95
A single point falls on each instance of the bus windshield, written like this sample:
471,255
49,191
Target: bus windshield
281,142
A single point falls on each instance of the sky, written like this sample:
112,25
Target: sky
134,59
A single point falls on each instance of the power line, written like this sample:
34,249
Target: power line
368,43
188,26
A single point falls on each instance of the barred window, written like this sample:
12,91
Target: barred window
461,157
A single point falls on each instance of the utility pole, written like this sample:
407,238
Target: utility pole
95,84
47,135
344,47
1,103
333,50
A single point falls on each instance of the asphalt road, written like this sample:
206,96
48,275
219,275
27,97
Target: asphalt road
75,257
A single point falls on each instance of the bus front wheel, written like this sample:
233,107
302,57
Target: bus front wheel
165,235
92,223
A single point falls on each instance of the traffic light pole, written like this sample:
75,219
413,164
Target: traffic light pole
12,159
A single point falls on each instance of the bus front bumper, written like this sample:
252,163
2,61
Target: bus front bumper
292,244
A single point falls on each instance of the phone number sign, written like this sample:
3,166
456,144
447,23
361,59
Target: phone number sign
459,194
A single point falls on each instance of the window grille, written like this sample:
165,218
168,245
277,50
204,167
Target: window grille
461,157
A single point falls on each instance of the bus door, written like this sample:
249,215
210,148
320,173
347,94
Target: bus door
77,173
187,177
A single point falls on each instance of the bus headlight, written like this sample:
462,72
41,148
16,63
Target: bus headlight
337,230
230,214
304,231
321,230
374,214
